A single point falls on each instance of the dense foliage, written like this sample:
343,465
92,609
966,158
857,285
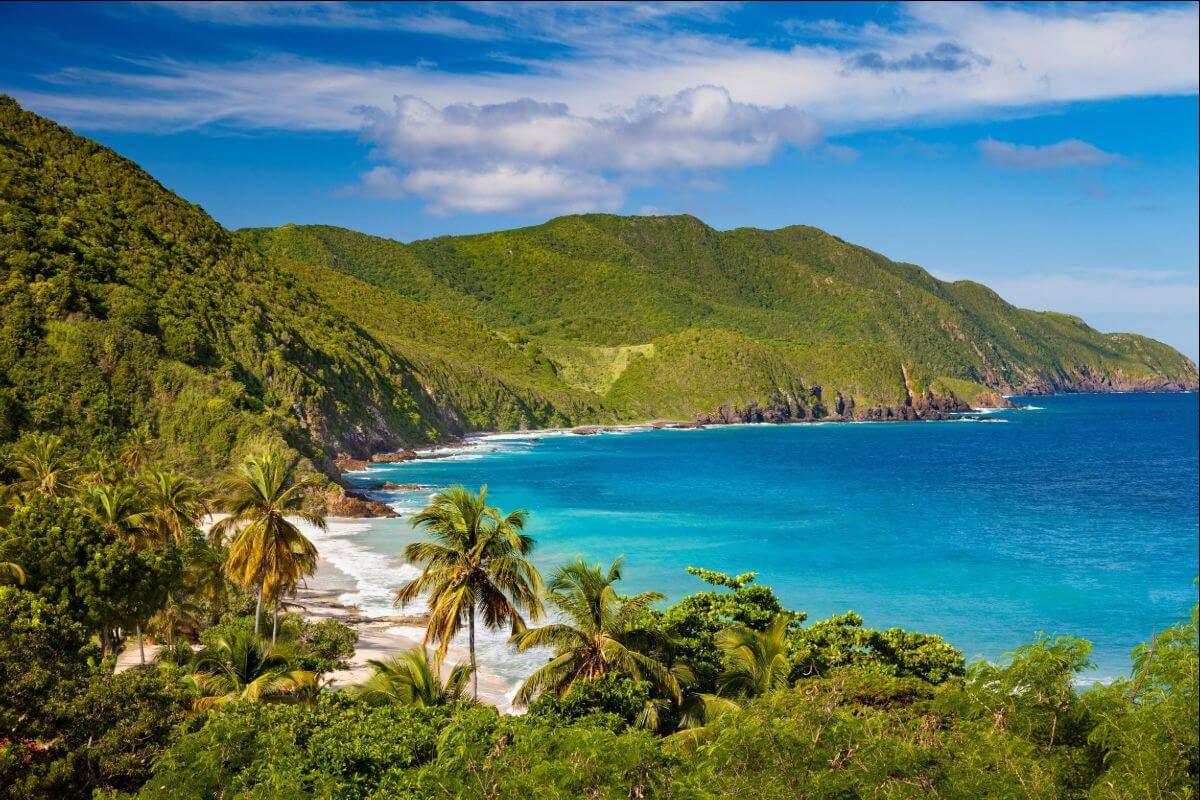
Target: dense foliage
724,694
1014,730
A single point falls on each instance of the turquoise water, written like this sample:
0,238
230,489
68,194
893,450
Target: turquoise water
1078,516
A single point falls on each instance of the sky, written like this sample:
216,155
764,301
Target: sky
1049,151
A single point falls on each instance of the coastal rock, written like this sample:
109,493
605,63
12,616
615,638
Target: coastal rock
389,486
344,462
993,400
344,503
788,408
397,457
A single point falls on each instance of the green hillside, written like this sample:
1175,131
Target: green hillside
665,316
127,309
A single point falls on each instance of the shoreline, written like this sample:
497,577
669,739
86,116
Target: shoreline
383,637
379,637
469,441
476,439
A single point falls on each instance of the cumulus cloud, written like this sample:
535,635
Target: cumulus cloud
541,155
1067,153
511,187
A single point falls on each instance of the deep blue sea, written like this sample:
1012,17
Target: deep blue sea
1075,516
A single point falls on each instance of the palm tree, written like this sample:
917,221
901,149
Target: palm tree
475,562
267,550
414,678
601,634
137,450
42,465
174,504
205,582
177,612
119,508
98,467
243,666
756,661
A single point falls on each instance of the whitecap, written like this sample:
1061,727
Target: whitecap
375,575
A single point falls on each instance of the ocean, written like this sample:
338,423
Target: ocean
1076,515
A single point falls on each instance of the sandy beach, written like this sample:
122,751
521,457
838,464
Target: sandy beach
380,637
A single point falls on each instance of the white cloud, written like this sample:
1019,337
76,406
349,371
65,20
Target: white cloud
538,154
1067,153
627,92
1034,56
383,182
508,187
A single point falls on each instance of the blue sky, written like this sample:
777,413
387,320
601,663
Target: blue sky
1049,151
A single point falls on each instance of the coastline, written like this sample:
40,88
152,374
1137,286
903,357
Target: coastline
381,637
445,448
472,441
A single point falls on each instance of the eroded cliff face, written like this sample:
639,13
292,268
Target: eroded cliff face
842,407
1102,383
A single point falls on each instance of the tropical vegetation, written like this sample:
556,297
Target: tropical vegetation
156,369
722,694
474,565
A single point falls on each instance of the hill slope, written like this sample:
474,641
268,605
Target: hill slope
665,316
126,308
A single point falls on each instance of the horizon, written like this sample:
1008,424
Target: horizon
955,138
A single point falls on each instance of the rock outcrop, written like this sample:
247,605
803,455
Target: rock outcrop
340,502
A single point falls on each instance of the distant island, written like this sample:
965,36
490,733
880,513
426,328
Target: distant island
126,308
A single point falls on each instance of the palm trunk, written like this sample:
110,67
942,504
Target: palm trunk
141,644
275,620
471,645
258,610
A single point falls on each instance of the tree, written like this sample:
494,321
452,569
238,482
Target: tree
1147,724
118,507
267,550
756,661
414,678
694,623
73,559
601,634
244,666
41,647
42,464
475,563
174,504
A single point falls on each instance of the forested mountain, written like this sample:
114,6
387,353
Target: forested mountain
126,308
665,316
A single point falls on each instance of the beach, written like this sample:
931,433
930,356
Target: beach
383,632
379,636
